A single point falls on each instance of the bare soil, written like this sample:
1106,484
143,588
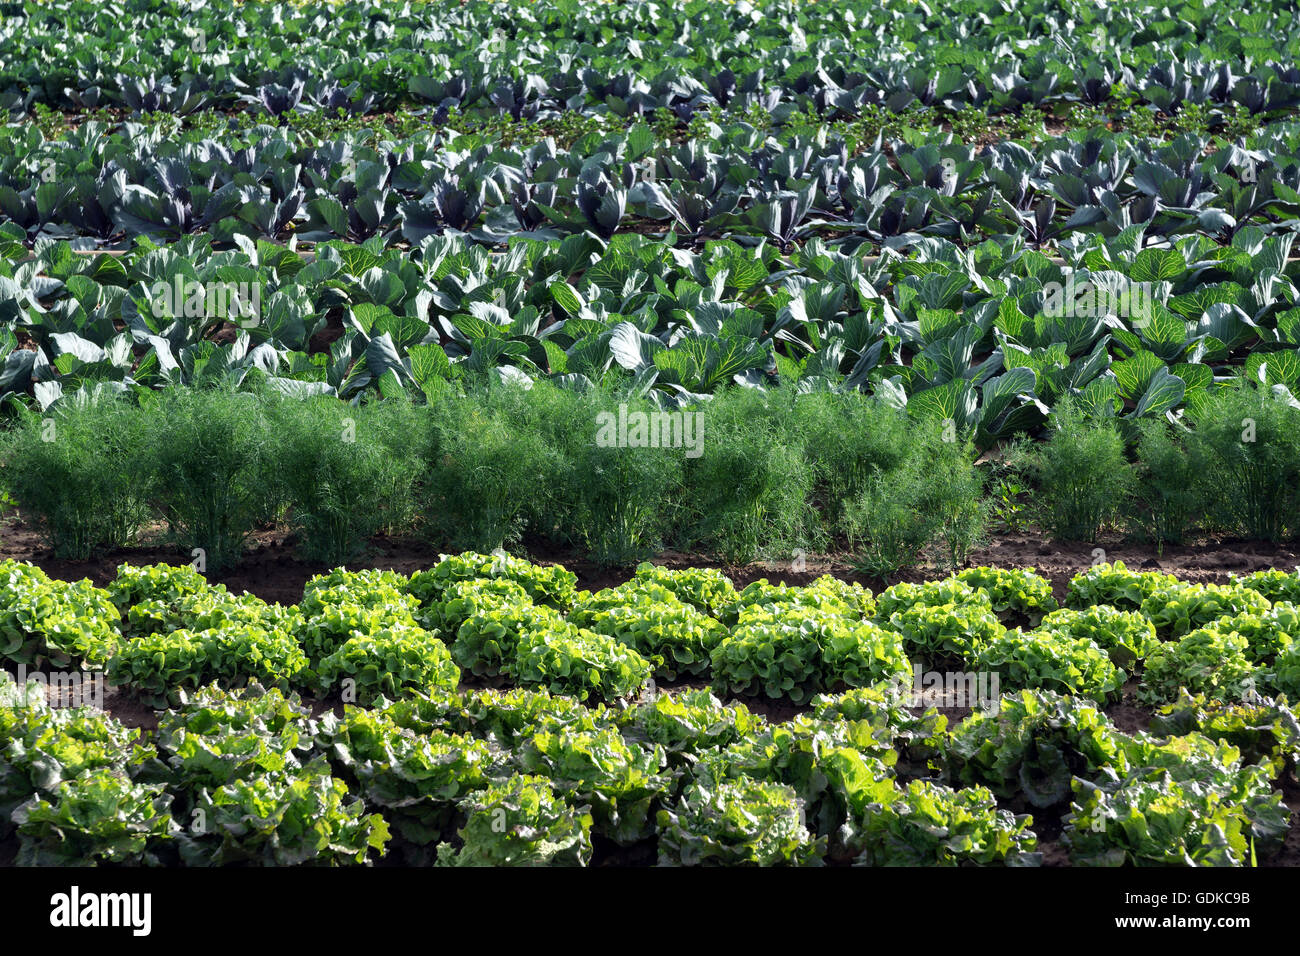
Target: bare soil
272,570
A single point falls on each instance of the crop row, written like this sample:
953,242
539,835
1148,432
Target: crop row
369,634
632,58
751,474
990,338
112,185
585,748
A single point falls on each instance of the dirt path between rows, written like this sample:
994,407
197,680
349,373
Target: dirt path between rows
272,571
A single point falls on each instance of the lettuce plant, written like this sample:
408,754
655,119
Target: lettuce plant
1052,660
486,642
707,590
215,736
203,610
294,817
862,655
917,738
416,779
930,824
941,593
463,599
341,605
620,782
388,663
1216,765
42,746
520,822
675,639
1267,634
370,587
1208,660
42,620
588,607
1116,586
572,660
15,698
837,768
551,585
1157,820
154,582
737,823
688,721
1016,591
1285,674
796,651
1274,584
499,716
1182,608
827,587
325,631
938,631
1035,744
158,666
1264,730
1126,636
827,594
99,817
1191,756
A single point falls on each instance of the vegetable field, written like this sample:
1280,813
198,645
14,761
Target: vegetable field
488,712
444,434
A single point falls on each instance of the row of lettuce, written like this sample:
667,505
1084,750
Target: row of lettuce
750,474
525,778
586,752
358,636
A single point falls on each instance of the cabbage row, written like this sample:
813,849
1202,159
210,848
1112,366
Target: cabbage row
631,58
112,184
983,341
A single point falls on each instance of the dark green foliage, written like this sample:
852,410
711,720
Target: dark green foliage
1167,490
486,473
76,470
748,493
347,472
1081,473
212,468
1249,443
930,502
